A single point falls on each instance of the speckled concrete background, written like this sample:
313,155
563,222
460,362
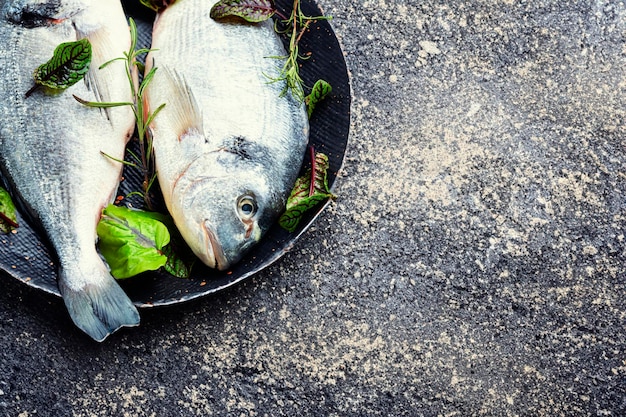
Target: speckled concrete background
473,264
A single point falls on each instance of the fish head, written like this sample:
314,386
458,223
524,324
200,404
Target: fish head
223,215
85,15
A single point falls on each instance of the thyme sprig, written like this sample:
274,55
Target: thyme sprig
295,26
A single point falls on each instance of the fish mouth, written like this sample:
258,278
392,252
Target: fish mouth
213,254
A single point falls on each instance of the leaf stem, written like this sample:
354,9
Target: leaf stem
313,170
280,14
8,221
32,90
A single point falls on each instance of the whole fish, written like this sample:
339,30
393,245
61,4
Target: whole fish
228,145
50,145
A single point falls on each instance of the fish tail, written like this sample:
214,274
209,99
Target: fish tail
100,306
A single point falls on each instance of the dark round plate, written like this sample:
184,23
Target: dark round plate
25,255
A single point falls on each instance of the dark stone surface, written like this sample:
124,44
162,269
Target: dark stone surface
473,264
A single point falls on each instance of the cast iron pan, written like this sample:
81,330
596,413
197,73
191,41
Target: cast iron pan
25,255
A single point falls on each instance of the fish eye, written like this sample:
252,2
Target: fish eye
247,207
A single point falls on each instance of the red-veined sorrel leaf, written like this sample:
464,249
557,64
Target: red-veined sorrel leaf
309,190
249,10
157,5
319,92
177,265
180,258
68,65
8,215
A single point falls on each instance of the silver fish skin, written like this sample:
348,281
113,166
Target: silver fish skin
228,146
50,145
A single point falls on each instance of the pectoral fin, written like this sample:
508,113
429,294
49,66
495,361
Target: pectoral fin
98,80
181,106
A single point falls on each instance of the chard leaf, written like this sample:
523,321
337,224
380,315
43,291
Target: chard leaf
250,10
8,215
157,5
320,90
132,241
68,65
309,190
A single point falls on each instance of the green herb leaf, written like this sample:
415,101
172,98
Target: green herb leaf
157,5
177,265
321,89
8,215
290,219
99,104
249,10
309,190
132,241
68,65
180,258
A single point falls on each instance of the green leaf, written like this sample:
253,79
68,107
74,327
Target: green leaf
68,65
157,5
177,265
290,219
8,215
320,90
250,10
180,258
132,241
99,104
309,190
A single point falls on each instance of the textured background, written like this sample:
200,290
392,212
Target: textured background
473,264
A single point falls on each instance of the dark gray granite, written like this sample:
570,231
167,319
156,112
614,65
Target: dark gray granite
472,265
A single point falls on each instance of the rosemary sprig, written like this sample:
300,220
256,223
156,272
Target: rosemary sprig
145,160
